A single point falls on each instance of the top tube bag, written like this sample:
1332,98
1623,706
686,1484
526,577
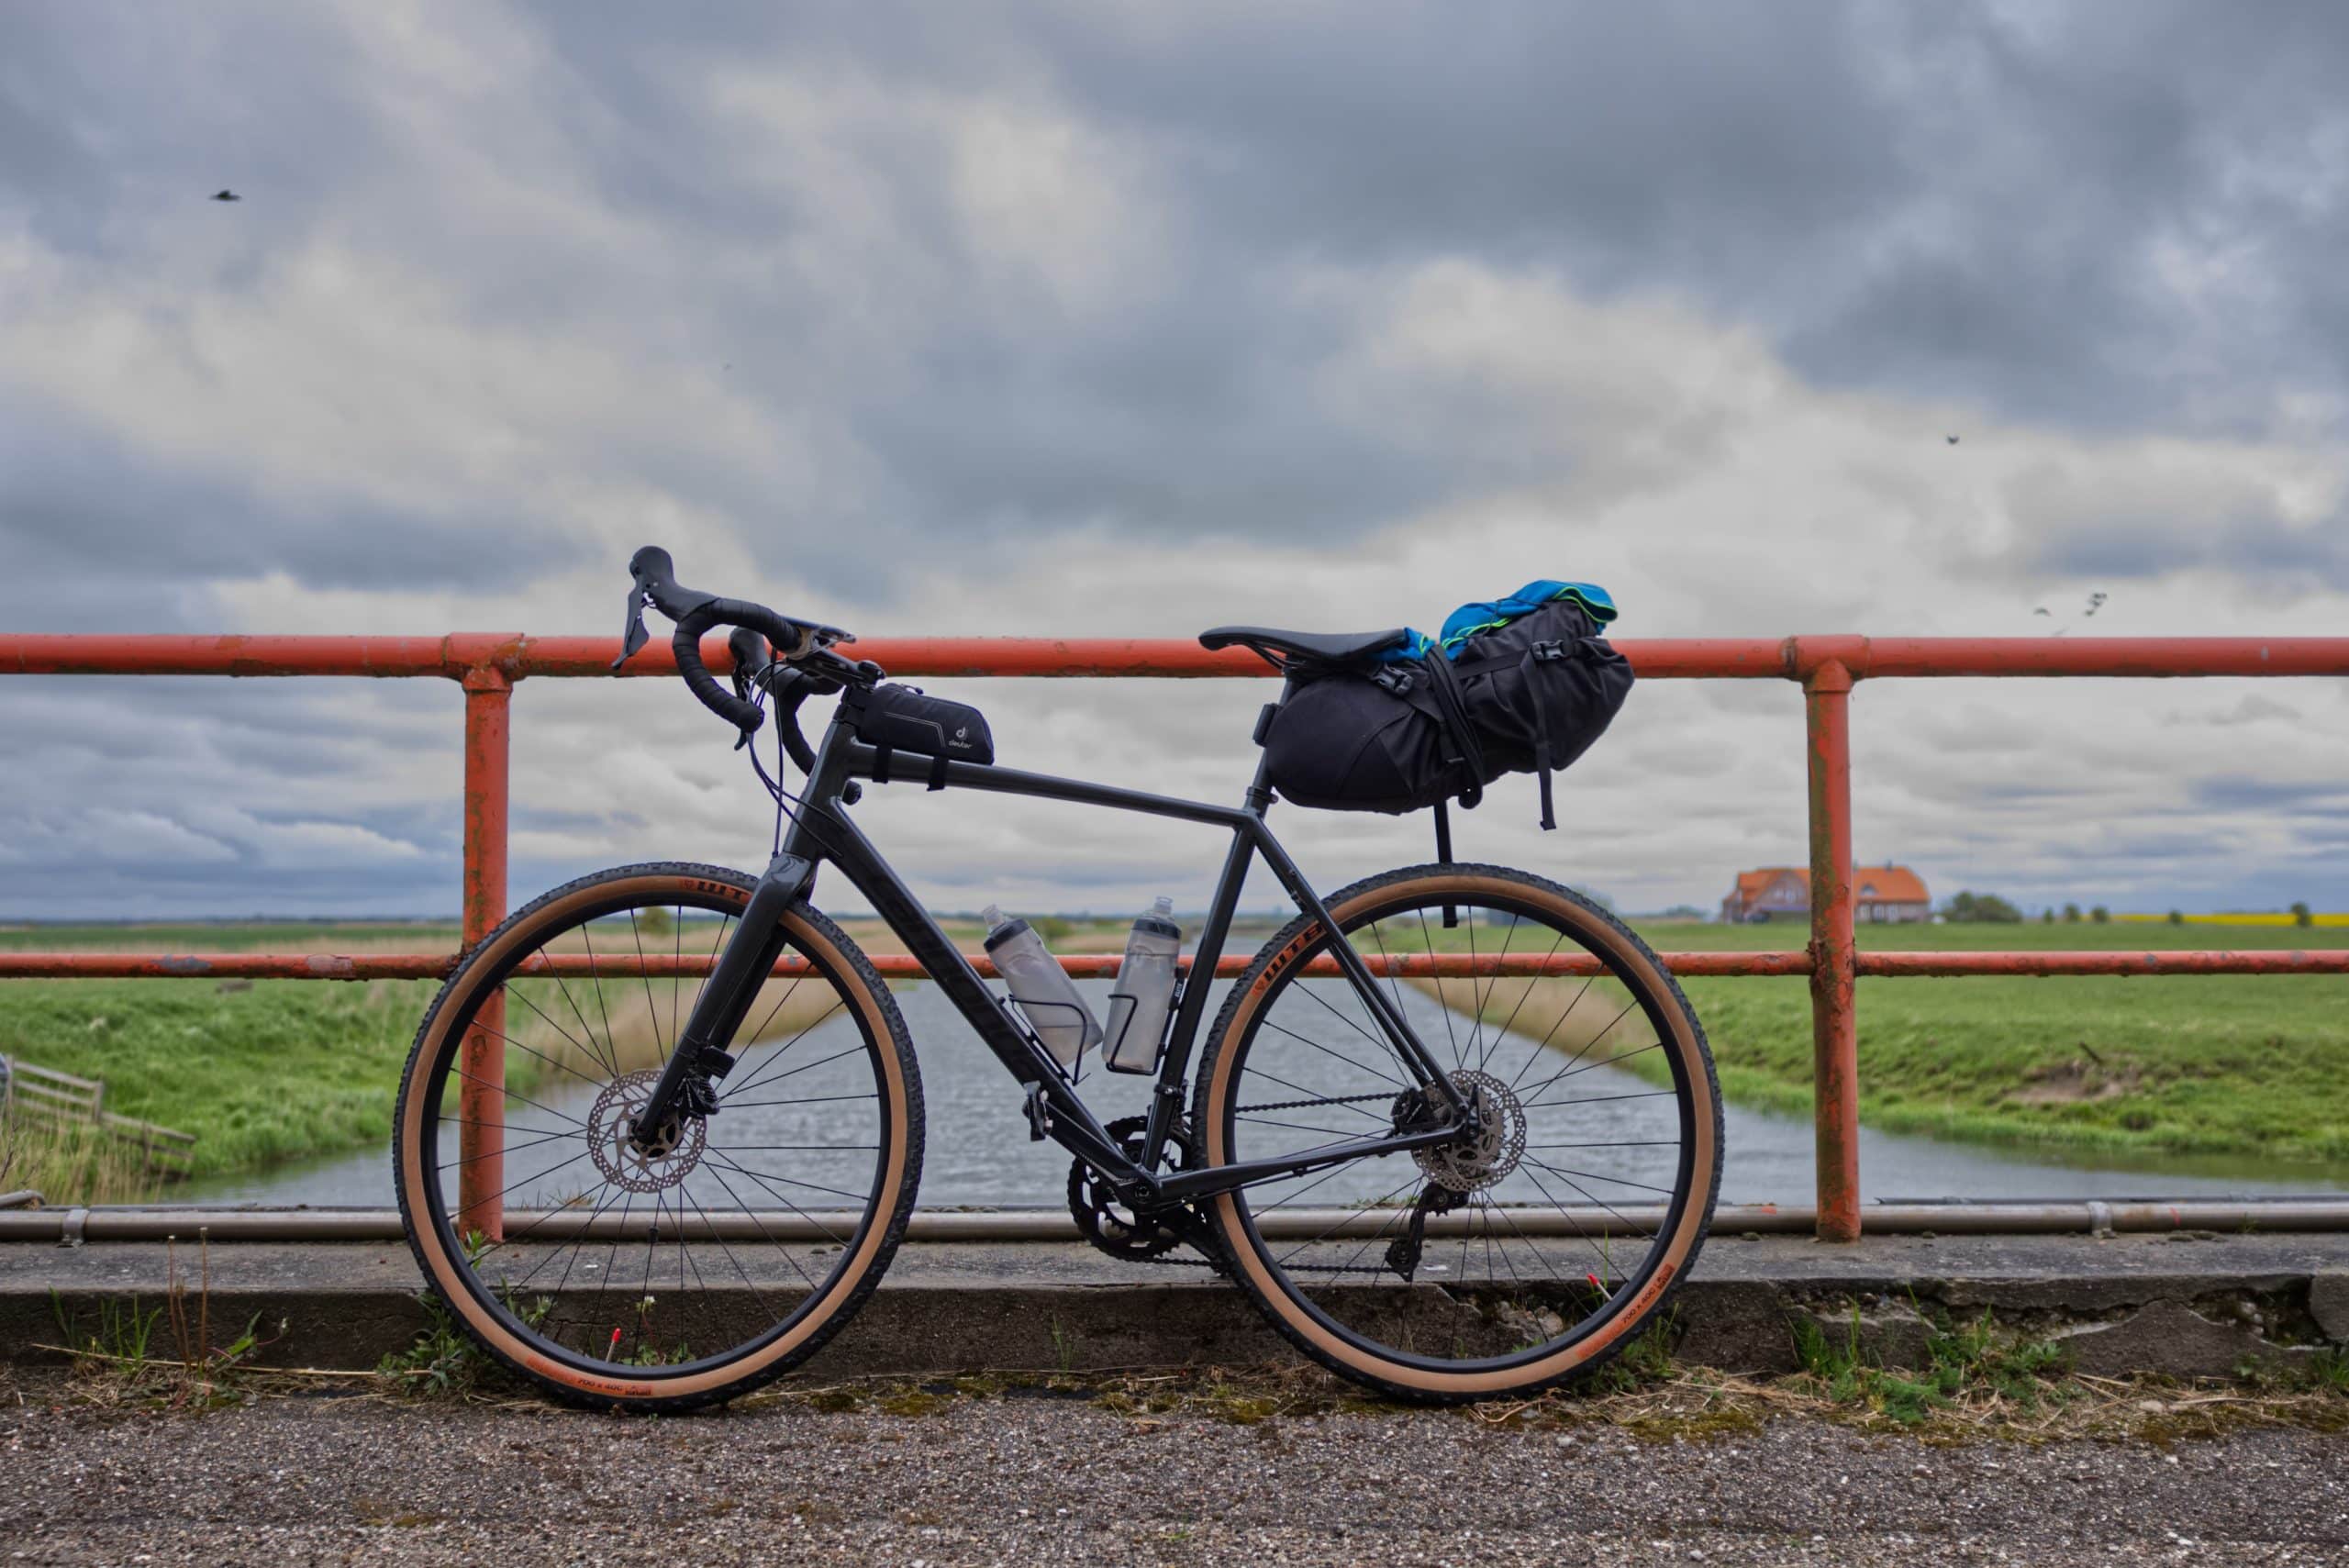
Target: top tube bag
893,719
1521,684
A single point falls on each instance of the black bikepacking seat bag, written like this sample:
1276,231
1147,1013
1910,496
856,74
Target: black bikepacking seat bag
1528,693
893,718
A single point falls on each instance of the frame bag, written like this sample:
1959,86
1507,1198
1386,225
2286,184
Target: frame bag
1526,694
892,719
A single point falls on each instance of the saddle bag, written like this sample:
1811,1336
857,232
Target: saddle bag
893,719
1523,684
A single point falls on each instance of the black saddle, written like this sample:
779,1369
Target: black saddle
1283,649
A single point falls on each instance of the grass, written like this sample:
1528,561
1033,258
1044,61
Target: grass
269,1071
2237,1066
1967,1365
66,1160
282,1069
2245,1066
168,1355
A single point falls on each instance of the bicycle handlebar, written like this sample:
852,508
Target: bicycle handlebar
656,585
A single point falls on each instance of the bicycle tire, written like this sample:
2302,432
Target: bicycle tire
492,1322
1642,1296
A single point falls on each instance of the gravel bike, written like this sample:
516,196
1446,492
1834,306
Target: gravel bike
1455,1127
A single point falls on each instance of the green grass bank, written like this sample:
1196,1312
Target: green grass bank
2226,1064
2243,1066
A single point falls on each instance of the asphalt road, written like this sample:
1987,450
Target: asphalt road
1035,1481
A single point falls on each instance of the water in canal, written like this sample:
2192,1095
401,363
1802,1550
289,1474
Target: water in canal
978,1152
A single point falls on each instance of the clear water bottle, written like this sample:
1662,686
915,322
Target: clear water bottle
1042,989
1145,989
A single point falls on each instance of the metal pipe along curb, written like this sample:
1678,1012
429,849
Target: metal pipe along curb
2085,1217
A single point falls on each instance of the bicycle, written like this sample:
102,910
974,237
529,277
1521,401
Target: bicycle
710,1198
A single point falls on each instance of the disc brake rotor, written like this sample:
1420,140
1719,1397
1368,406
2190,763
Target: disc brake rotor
1472,1165
650,1164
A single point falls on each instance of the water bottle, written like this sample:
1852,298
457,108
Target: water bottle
1042,989
1145,989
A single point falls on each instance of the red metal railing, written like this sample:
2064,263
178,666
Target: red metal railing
487,665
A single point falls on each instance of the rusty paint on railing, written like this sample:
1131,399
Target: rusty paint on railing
891,966
488,663
520,657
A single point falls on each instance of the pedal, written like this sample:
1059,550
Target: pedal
1040,1114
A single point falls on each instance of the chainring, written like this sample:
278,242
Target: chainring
1109,1224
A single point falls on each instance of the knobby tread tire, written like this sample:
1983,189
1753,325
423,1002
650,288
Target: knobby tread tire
860,971
1219,1042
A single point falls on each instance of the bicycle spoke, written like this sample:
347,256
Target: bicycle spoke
1484,1214
700,1274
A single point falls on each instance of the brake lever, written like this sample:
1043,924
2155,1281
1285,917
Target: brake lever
632,633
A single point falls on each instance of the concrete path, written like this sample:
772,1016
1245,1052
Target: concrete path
2187,1304
1030,1482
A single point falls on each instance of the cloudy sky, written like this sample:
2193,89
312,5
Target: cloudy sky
1134,319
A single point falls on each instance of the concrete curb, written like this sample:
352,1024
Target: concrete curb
2184,1306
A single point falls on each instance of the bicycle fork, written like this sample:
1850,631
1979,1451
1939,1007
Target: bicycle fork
686,1085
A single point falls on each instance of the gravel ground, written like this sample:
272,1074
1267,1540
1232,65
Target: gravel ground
1025,1480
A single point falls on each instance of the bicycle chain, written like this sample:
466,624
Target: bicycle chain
1325,1100
1165,1261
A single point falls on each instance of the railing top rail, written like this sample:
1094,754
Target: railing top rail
518,656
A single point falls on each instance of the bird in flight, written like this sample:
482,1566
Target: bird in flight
1951,440
227,196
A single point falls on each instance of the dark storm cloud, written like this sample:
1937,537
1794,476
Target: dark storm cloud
2104,214
1925,201
124,535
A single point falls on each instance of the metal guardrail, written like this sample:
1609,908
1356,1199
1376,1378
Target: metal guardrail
487,664
66,1224
71,1225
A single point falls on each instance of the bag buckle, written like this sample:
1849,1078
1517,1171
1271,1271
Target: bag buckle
1549,652
1395,679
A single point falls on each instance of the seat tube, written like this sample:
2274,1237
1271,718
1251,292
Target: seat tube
1166,1100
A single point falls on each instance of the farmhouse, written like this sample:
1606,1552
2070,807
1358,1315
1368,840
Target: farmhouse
1885,894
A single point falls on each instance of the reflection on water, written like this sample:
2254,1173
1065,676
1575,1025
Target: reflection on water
979,1154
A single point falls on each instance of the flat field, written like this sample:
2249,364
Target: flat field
2216,1064
2252,1067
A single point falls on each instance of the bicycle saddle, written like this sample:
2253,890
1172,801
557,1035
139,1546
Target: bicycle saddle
1315,647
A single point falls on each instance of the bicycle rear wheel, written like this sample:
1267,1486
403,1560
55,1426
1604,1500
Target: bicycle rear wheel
661,1274
1496,1265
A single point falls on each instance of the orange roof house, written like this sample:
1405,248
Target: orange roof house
1879,892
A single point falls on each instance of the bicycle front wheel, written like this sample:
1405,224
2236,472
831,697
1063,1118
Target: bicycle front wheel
1495,1264
683,1266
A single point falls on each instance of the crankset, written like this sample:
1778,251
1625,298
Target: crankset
1115,1229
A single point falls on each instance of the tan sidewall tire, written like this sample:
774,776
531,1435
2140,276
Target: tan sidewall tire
845,1289
1602,931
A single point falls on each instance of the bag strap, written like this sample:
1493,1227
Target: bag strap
1460,735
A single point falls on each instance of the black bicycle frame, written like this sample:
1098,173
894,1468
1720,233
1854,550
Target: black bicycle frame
821,832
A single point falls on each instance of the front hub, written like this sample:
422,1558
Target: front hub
642,1159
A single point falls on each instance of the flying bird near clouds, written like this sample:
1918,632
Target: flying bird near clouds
1951,439
227,196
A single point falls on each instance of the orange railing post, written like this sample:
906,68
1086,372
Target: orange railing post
1834,971
481,1179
